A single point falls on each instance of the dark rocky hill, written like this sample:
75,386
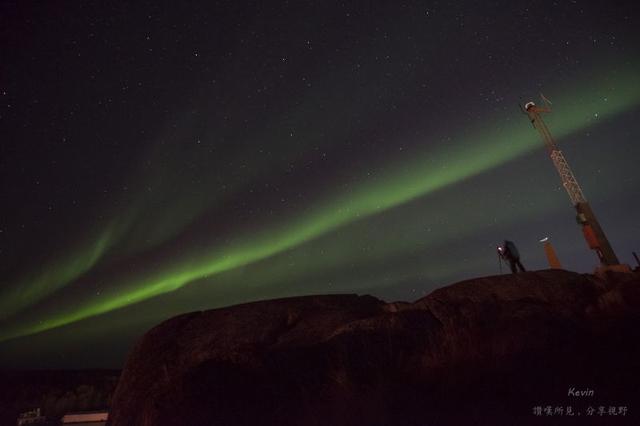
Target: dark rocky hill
483,351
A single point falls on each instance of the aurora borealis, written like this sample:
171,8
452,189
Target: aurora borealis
160,161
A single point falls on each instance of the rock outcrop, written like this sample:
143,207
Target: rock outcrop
482,351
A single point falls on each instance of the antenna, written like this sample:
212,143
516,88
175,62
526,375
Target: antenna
545,100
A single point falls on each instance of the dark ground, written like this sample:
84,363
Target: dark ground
483,351
56,392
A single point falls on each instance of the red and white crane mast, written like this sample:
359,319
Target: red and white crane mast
593,233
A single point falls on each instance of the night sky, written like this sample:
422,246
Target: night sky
164,157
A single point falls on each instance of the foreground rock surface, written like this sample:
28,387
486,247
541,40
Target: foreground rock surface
483,351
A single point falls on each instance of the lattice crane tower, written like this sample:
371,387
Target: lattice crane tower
591,229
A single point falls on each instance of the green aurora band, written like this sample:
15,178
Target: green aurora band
60,272
473,152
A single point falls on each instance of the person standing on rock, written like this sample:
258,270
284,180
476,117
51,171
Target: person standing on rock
509,252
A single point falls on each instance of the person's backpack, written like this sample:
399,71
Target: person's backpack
511,248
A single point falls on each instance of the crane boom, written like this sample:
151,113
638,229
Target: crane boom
568,179
593,233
